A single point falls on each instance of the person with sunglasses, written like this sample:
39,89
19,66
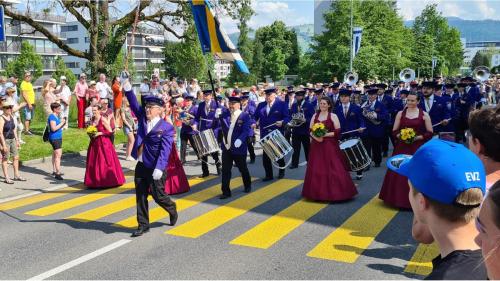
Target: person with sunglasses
9,141
447,185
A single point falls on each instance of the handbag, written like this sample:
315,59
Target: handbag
45,135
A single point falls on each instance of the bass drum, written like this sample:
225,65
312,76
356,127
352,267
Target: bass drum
356,154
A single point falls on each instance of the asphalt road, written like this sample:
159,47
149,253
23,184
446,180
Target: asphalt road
268,234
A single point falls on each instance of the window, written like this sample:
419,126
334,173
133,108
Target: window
87,40
69,28
72,65
72,41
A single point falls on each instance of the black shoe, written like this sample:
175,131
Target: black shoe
247,190
267,179
173,218
224,196
252,161
140,231
293,167
281,174
54,173
377,165
58,177
204,175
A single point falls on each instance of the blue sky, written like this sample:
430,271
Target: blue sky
295,12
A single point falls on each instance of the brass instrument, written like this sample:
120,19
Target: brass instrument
481,73
407,75
351,78
371,115
298,119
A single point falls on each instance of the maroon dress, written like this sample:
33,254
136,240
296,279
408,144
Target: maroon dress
176,177
103,168
327,178
395,188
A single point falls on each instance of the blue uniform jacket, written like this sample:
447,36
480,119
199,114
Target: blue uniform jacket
438,112
204,120
308,111
387,102
278,112
377,131
186,129
353,121
240,131
157,144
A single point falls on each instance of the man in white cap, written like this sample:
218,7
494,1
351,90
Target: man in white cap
65,93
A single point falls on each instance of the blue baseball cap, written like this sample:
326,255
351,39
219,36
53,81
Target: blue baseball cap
441,170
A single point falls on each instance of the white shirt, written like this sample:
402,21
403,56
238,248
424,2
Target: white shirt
345,108
103,88
268,107
193,90
253,96
151,124
144,88
234,117
431,101
65,93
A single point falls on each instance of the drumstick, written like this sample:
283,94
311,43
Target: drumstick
273,124
352,131
439,123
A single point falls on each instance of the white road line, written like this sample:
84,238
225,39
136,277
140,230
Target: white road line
80,260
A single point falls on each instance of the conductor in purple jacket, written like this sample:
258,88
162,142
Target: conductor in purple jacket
152,149
235,125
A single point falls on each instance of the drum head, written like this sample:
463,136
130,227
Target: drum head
349,143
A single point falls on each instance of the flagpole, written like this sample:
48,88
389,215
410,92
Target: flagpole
350,59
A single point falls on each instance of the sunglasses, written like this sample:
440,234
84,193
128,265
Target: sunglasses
7,107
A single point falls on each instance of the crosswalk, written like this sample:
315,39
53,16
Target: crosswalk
344,244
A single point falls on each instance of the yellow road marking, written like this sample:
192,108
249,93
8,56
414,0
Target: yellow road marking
421,262
347,242
81,200
221,215
120,205
40,197
189,201
278,226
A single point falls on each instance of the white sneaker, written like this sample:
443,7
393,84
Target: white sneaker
22,142
130,158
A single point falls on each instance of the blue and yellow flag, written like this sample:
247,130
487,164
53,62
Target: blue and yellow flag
212,37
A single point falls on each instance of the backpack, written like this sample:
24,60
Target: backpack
45,135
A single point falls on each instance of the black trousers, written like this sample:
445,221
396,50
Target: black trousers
297,141
250,144
204,165
268,166
374,148
184,142
387,137
143,179
227,164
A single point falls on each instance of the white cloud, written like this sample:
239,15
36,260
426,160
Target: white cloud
465,9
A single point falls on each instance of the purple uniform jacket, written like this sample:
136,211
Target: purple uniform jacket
354,120
240,131
204,119
157,144
439,112
278,112
250,109
187,129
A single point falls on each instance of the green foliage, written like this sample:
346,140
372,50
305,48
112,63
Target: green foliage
28,60
118,66
150,67
62,70
480,59
274,64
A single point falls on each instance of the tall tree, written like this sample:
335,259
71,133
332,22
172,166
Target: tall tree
480,59
62,70
107,32
445,39
28,60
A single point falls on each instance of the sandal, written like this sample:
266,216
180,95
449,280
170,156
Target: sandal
8,181
19,179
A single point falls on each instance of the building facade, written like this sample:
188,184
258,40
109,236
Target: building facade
471,48
146,46
222,68
17,32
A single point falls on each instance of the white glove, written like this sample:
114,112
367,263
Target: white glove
157,173
218,112
237,143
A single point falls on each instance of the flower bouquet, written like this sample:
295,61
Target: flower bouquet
407,135
319,130
91,131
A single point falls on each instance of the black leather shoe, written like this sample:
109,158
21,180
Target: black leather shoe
293,167
224,196
140,231
281,175
247,190
204,175
267,179
173,219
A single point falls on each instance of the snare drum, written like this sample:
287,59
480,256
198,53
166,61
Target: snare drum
356,154
206,143
275,145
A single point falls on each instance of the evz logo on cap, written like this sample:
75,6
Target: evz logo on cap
472,176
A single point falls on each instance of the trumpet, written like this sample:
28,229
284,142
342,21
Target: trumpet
298,119
407,75
481,73
351,78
